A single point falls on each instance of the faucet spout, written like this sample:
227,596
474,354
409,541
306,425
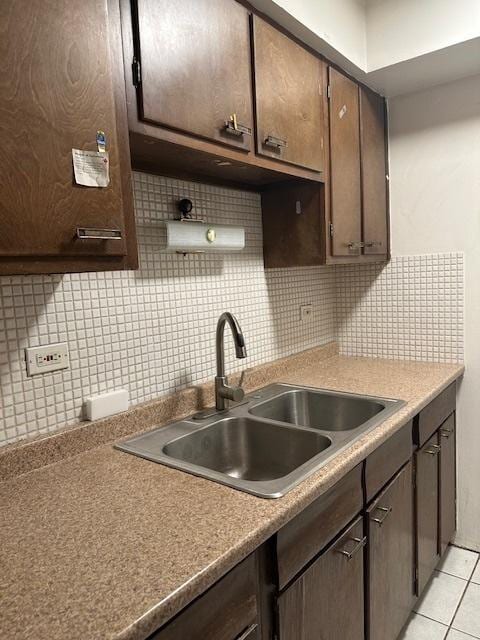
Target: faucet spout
222,391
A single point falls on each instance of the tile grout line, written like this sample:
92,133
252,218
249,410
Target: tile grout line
469,581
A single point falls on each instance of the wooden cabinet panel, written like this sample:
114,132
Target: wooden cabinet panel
293,225
373,171
289,99
427,474
391,558
227,611
345,192
431,417
196,67
326,602
448,516
61,81
307,534
385,461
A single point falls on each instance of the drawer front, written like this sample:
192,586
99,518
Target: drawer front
227,611
430,418
384,462
307,534
326,602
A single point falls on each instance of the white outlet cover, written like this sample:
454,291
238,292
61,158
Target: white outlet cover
306,311
50,357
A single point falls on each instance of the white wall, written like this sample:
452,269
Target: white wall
435,200
335,28
340,23
398,31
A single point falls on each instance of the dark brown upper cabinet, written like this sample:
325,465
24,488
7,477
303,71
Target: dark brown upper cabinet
196,68
373,173
61,82
357,198
289,94
189,83
345,179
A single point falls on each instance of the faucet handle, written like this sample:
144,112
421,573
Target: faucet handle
236,394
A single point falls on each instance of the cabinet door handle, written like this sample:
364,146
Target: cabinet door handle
386,512
355,245
434,450
446,433
98,234
245,634
275,143
234,128
372,243
361,542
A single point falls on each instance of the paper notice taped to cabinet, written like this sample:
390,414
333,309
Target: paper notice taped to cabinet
91,168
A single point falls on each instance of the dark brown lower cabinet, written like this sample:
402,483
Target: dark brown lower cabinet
326,602
391,558
227,611
448,520
427,499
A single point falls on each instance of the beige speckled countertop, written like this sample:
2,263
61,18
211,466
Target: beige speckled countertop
108,545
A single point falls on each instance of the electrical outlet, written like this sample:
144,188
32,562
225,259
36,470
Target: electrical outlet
50,357
306,311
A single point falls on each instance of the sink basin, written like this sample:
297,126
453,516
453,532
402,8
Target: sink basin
248,449
319,410
267,444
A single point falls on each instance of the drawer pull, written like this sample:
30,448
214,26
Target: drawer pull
386,512
355,245
275,143
98,234
233,127
361,542
446,433
434,450
245,634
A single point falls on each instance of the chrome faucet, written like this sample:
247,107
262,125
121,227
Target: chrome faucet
223,391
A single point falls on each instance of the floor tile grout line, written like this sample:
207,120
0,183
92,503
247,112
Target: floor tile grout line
461,600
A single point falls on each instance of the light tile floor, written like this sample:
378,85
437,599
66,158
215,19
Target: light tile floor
449,609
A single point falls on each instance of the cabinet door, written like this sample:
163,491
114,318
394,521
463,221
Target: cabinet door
196,68
61,81
289,99
345,198
427,473
326,602
391,557
447,482
373,167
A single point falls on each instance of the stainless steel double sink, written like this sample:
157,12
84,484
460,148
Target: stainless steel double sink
270,442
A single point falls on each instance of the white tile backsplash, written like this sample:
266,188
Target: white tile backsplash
152,331
410,309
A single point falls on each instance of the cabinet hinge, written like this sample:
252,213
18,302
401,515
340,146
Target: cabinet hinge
136,72
329,91
330,229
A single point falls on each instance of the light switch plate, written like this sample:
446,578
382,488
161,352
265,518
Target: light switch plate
50,357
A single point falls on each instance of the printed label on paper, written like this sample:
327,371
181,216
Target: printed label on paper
91,168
